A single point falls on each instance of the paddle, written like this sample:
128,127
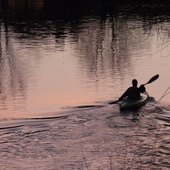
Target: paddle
114,102
150,81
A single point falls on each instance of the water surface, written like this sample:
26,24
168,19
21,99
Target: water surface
50,63
55,59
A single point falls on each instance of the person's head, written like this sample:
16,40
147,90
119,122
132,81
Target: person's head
134,83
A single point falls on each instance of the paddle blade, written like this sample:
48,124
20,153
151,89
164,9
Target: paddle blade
114,102
153,79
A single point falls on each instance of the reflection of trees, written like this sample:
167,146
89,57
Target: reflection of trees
20,9
107,46
0,60
49,9
12,77
108,38
103,42
104,46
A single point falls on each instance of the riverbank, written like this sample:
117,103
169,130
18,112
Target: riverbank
96,138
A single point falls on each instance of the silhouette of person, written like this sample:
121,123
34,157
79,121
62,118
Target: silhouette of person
133,92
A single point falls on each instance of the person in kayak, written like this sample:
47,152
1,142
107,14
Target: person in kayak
133,92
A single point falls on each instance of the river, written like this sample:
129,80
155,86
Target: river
48,64
54,59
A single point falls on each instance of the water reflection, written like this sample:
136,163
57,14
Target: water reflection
18,8
51,59
12,74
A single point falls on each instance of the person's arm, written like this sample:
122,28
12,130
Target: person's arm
124,95
142,88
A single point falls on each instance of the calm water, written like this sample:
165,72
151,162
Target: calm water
56,56
48,65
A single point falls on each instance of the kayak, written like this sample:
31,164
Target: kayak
130,104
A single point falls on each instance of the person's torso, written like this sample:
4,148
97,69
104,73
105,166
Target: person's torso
133,93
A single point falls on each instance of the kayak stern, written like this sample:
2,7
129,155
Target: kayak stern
128,104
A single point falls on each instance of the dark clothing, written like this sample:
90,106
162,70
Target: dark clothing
133,92
142,88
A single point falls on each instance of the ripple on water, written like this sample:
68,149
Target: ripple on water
101,137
